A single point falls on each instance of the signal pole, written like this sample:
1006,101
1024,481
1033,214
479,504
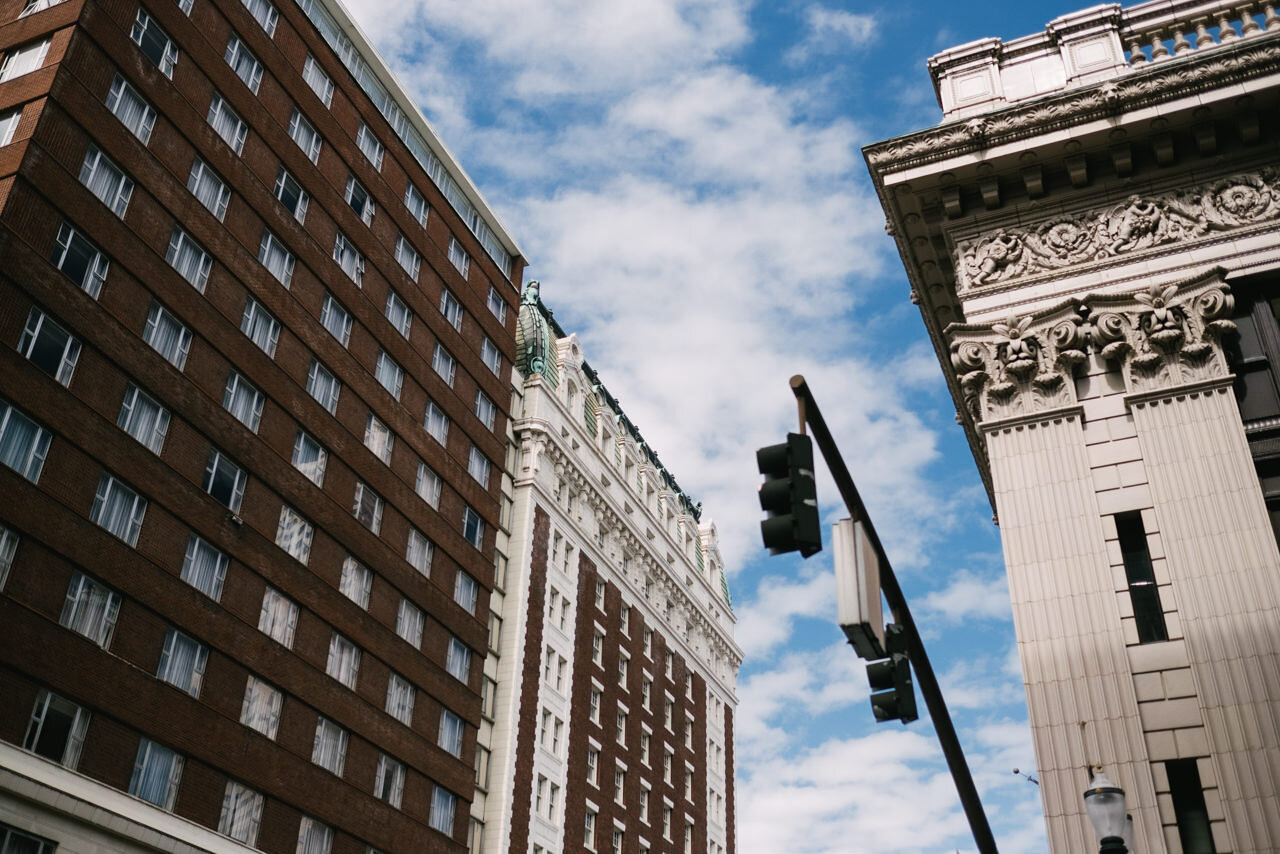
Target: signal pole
969,800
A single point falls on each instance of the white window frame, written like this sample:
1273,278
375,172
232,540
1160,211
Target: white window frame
305,135
428,485
260,326
451,308
323,386
218,467
343,663
458,660
157,773
242,61
299,208
356,582
496,305
278,618
243,400
416,204
189,259
123,521
486,410
360,200
329,747
399,314
348,258
436,423
107,181
143,418
444,364
367,507
294,534
276,257
72,244
491,356
459,257
389,374
182,662
133,111
204,566
410,621
264,13
313,466
320,83
40,330
379,439
226,123
209,188
335,318
69,756
418,551
370,146
91,609
241,816
400,698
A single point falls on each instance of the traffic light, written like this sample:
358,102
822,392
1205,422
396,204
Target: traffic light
893,696
790,496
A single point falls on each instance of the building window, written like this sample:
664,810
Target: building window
465,591
472,527
589,831
314,837
488,697
458,661
8,548
451,308
224,480
666,822
155,43
118,509
369,146
182,662
131,109
597,648
204,567
336,319
210,190
688,838
264,13
418,552
156,773
389,375
309,457
278,618
624,665
478,467
260,710
667,760
360,200
184,6
497,307
495,633
444,364
278,260
329,750
24,444
668,709
617,840
491,356
9,125
241,813
243,63
291,195
443,806
79,260
319,82
351,262
31,8
305,135
1189,807
450,735
56,730
189,259
399,314
644,802
1145,595
293,534
49,347
260,327
143,418
90,609
622,728
227,123
417,205
486,411
356,582
378,438
389,783
436,423
428,485
645,741
23,60
409,623
243,401
600,590
106,181
400,699
166,334
594,708
482,769
367,507
669,663
458,257
323,386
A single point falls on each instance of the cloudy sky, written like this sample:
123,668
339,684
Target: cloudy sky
686,180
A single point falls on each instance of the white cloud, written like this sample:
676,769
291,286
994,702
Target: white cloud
970,597
981,683
774,706
765,622
831,31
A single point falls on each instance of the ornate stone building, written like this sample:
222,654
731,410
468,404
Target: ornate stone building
609,692
1093,237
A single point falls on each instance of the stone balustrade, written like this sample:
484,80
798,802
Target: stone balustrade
1090,46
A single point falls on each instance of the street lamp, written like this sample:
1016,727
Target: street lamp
1104,804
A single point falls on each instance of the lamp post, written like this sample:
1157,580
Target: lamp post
1104,804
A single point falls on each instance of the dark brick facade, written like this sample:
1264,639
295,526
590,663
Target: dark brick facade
63,113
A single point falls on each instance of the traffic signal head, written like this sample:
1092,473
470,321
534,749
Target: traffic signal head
893,695
790,496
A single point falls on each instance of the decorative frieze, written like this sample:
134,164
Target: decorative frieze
1140,223
1160,337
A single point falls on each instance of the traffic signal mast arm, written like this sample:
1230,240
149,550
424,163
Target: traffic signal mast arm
928,682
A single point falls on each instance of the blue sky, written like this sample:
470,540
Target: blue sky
686,179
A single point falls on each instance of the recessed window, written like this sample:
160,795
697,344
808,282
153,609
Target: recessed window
143,418
478,467
79,260
208,188
329,749
291,195
156,774
243,63
497,307
472,527
131,109
8,548
351,261
399,314
323,386
189,259
336,319
388,374
1145,594
241,813
451,731
9,125
451,309
118,509
367,507
388,784
400,695
305,135
319,82
278,618
314,837
264,13
418,552
458,660
309,457
407,257
428,485
227,123
417,205
410,621
23,59
459,257
369,146
443,807
344,660
491,356
182,662
155,43
294,534
360,200
166,334
443,363
243,401
90,609
260,710
436,423
278,260
31,8
224,480
379,438
56,731
49,347
466,591
356,582
589,831
204,567
106,180
486,411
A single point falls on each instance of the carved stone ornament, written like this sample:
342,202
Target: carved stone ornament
1161,337
1136,224
1152,85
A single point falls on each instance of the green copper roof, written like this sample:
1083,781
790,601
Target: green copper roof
535,343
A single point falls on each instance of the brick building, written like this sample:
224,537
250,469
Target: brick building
1092,235
256,335
610,683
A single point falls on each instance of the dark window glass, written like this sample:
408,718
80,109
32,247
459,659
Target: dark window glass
1188,807
1142,580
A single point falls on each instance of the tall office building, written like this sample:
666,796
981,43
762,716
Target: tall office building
610,683
256,335
1093,237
